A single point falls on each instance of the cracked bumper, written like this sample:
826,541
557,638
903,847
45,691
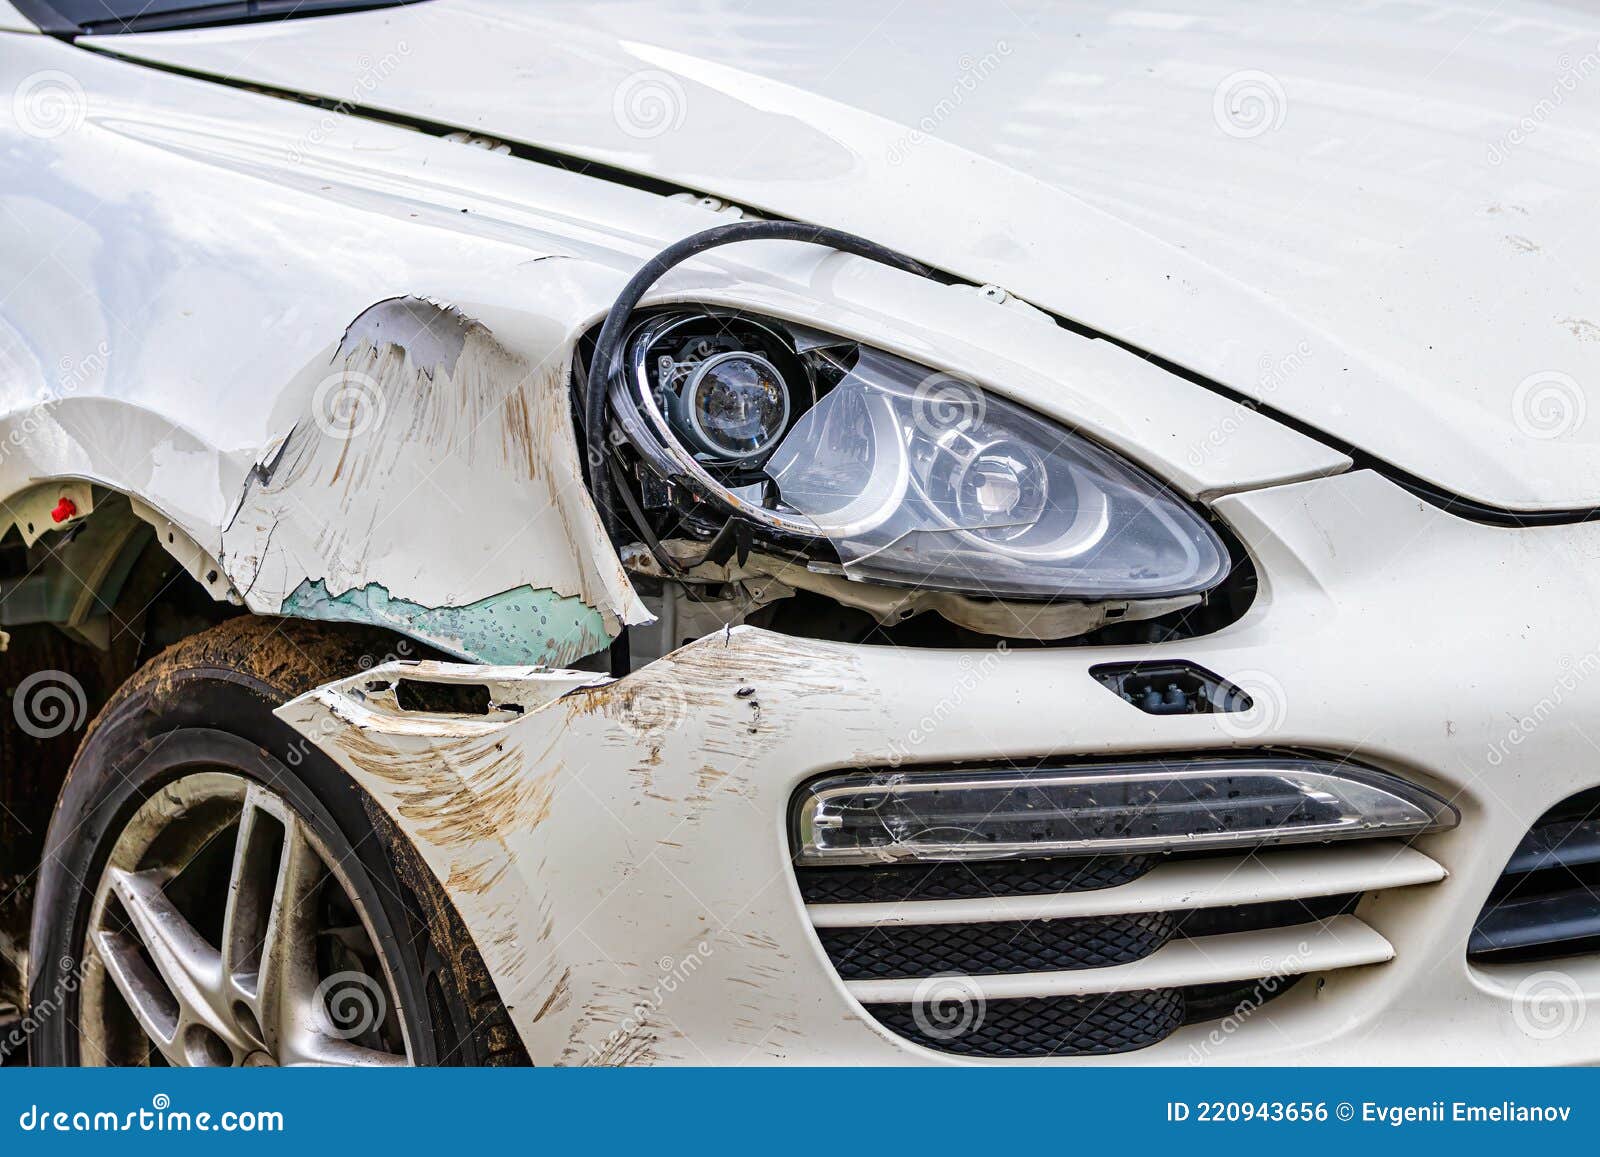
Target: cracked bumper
619,849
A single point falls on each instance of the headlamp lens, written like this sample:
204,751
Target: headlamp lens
736,405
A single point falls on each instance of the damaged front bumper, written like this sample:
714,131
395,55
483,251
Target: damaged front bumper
620,849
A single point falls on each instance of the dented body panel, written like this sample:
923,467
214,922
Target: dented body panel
599,842
1396,197
325,359
357,405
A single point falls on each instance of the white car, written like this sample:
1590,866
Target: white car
699,532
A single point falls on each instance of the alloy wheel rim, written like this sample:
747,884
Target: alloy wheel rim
223,933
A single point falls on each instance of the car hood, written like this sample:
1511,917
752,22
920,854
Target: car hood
1378,221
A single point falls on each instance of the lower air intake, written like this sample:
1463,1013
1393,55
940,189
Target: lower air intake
1059,955
1075,1026
1543,906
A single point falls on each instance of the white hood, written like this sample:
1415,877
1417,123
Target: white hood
1381,221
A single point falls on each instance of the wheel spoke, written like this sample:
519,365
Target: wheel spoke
146,994
253,886
288,974
317,1048
289,918
186,967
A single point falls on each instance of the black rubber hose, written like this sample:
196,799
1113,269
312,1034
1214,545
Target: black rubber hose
609,343
607,347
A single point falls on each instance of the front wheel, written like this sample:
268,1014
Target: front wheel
216,892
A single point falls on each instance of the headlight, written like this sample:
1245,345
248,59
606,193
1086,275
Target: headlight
914,476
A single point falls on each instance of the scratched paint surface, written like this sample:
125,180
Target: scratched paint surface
430,483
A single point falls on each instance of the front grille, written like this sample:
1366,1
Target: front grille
967,879
1079,1026
992,949
1543,907
1081,957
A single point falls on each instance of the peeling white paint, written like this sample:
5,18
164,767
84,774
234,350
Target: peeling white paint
426,439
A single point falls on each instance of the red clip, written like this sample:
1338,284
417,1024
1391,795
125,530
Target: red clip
64,510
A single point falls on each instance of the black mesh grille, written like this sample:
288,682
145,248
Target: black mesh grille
1033,946
962,881
1116,1022
1240,998
1546,904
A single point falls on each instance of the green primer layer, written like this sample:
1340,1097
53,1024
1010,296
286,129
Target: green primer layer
522,626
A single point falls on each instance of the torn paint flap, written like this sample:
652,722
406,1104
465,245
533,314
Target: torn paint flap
431,482
521,626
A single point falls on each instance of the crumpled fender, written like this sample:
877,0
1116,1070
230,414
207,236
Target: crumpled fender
429,439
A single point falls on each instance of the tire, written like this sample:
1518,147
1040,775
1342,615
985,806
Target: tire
195,725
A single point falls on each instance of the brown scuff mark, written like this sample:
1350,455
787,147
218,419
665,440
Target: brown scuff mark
458,796
718,680
415,387
718,676
560,997
631,1042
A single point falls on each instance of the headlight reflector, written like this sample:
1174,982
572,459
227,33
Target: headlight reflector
736,405
914,476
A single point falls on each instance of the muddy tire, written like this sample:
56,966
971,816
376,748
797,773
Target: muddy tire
164,810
